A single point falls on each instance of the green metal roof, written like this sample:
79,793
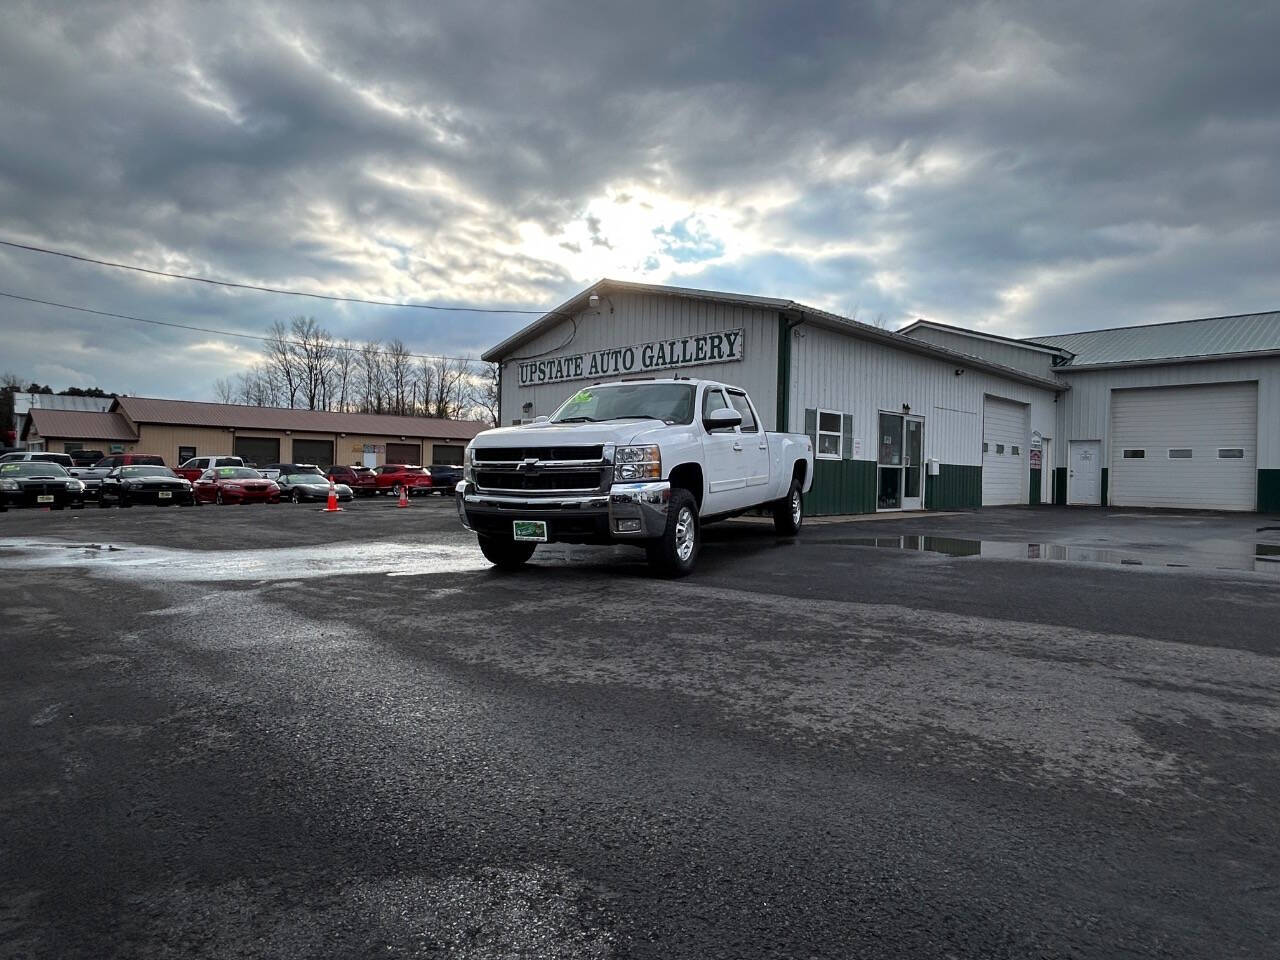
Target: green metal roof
1183,340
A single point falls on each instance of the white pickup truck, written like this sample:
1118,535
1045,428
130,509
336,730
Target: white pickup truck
645,462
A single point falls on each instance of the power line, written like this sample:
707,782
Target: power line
220,333
262,289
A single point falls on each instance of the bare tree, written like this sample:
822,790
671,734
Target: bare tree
485,391
425,377
313,357
224,388
373,378
344,369
399,366
282,359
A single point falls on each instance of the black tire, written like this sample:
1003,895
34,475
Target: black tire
218,499
788,513
124,501
295,497
103,503
675,553
505,553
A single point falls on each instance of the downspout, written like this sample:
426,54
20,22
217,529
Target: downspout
782,416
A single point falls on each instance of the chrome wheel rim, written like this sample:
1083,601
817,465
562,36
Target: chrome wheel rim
795,507
686,534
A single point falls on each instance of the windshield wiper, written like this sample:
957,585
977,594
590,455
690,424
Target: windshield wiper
578,420
638,416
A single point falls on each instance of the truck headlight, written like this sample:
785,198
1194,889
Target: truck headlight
637,463
10,485
468,465
75,486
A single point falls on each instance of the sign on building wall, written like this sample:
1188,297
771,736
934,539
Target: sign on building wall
721,347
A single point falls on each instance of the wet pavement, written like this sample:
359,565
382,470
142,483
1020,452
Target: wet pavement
261,731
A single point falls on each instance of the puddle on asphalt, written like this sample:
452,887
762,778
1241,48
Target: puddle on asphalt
1243,556
129,561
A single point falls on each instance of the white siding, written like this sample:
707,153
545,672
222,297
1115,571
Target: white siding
1027,359
1084,412
640,318
1200,419
844,373
1004,459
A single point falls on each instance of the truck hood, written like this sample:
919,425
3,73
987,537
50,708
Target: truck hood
556,434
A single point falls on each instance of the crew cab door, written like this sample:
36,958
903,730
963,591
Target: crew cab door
722,460
755,448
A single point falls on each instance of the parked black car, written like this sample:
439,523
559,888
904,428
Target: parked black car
125,486
37,483
444,477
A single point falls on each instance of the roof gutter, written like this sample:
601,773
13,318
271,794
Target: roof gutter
1170,361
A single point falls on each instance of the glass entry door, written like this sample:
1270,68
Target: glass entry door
913,464
900,463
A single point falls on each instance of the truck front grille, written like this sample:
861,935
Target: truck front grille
516,454
552,481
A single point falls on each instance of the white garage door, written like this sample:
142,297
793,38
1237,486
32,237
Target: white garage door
1186,447
1004,452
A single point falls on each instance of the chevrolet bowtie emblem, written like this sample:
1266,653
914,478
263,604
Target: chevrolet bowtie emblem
529,464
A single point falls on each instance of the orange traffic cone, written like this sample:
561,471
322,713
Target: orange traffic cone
404,495
332,506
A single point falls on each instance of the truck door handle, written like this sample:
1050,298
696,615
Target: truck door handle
764,446
737,445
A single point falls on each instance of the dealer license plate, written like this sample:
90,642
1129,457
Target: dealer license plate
165,494
44,498
530,530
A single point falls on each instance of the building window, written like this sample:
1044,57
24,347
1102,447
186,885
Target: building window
1180,453
1231,453
828,435
1135,454
999,448
186,453
986,447
1015,451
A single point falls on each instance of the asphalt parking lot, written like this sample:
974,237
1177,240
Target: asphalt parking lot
267,731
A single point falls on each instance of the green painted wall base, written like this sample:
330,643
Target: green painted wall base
842,486
1060,486
1033,496
1269,491
956,487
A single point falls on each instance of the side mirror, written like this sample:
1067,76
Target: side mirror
722,419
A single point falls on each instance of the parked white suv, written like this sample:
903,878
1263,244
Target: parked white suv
644,462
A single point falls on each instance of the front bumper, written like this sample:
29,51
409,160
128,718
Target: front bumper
628,511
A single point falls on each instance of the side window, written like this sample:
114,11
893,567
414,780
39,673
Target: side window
743,406
712,401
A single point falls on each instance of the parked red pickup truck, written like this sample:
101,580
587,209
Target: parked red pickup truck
194,468
392,476
362,481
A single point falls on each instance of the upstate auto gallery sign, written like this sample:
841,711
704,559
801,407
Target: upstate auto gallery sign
722,346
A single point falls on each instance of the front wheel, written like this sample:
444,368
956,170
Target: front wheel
506,553
295,497
676,551
788,513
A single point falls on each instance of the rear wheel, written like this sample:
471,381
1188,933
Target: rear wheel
125,501
788,513
296,497
506,553
218,499
676,551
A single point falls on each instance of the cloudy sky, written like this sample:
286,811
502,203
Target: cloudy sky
1021,167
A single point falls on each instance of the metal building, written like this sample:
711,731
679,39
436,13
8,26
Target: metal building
879,406
1183,415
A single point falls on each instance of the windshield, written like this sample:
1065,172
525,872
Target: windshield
32,468
669,402
238,473
311,478
146,472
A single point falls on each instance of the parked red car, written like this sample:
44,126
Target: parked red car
195,468
391,477
235,485
362,481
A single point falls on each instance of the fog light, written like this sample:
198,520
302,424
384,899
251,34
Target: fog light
628,526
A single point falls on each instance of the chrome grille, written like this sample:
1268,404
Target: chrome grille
543,471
